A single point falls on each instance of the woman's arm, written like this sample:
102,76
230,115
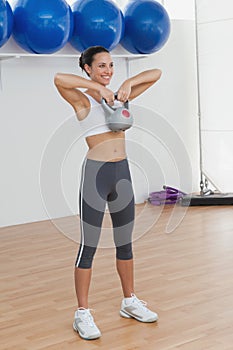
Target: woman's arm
68,86
137,84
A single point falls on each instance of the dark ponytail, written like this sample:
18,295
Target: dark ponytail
87,56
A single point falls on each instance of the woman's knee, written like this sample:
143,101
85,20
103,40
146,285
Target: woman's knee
85,257
124,252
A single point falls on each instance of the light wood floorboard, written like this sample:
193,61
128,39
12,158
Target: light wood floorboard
185,275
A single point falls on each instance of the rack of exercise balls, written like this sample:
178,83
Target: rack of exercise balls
45,27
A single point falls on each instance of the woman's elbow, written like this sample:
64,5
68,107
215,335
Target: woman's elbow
158,74
57,79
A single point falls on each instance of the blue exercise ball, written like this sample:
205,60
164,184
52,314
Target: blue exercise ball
123,26
71,24
42,26
147,26
6,22
96,22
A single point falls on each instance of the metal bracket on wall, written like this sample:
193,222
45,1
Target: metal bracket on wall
127,57
2,58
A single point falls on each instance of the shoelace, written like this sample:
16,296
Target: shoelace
87,317
141,303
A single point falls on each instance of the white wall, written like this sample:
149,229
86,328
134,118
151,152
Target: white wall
41,152
180,9
215,28
170,114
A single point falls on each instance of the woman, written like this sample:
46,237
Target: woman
105,179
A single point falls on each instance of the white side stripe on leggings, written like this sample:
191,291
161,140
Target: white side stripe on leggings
81,212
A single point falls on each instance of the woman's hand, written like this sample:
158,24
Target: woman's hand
124,91
137,84
108,95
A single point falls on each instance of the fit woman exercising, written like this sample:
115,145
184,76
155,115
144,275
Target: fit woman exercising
105,179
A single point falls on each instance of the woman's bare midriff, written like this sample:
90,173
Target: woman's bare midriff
107,147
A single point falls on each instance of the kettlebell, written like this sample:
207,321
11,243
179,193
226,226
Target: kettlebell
117,118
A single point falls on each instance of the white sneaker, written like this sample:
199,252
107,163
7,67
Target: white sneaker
84,324
135,308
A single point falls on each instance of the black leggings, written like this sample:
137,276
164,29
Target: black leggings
101,183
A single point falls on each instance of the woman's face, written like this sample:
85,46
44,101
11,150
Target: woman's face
101,69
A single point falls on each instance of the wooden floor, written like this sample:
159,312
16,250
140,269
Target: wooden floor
185,275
